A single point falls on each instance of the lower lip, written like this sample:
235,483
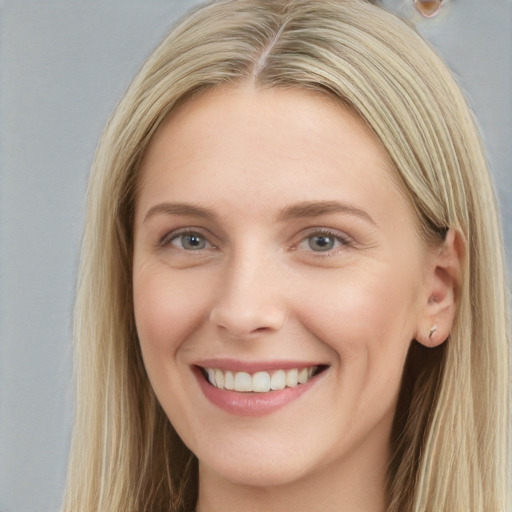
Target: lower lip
251,404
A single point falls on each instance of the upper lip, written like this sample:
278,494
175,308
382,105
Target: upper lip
238,365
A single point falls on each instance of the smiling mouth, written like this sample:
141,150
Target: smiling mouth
262,381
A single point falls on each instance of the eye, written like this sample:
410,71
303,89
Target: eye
188,241
322,241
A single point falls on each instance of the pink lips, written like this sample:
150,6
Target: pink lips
251,404
251,367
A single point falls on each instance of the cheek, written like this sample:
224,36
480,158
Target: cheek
167,309
368,319
375,302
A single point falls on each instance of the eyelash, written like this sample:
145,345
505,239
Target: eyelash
338,240
170,237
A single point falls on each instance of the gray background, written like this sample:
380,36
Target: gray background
63,67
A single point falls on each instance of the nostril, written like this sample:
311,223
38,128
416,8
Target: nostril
243,331
249,320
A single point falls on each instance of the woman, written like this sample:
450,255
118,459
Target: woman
292,291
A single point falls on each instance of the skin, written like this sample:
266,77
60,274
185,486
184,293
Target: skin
259,289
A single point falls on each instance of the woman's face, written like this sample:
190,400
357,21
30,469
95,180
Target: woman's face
275,256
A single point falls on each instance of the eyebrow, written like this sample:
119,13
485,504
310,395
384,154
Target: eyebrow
180,209
305,209
318,208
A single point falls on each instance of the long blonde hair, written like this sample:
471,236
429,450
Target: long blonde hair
450,450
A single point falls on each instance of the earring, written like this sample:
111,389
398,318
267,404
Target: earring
428,8
433,329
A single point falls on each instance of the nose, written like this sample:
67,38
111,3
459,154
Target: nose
250,299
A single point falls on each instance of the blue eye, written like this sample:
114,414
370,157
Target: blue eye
189,242
322,242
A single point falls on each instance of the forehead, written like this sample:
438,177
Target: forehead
275,117
277,145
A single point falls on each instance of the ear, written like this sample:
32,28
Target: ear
441,289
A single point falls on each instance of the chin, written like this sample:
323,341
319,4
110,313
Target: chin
260,464
259,473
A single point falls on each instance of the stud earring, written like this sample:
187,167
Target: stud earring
433,329
428,8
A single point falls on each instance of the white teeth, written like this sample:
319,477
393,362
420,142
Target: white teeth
259,382
229,380
292,378
219,378
243,381
278,380
211,376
